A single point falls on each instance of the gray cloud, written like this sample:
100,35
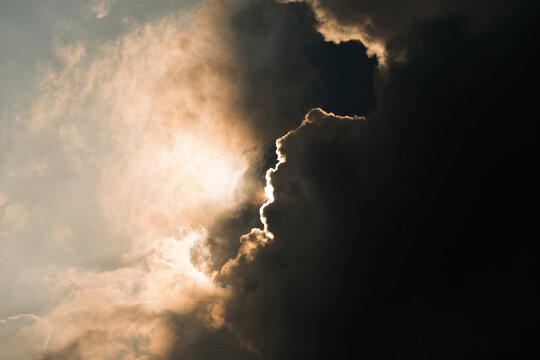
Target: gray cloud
391,236
126,155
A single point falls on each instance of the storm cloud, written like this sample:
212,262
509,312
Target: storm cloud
399,236
394,222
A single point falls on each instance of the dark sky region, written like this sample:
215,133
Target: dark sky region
404,214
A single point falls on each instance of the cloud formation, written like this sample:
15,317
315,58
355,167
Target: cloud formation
134,178
378,23
259,237
139,146
392,236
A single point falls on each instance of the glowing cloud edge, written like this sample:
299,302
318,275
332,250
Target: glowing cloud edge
257,237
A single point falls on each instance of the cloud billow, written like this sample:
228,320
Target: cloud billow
405,236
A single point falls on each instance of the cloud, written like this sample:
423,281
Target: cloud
378,23
23,334
376,238
14,217
391,236
288,68
142,123
127,312
260,237
101,8
301,254
138,145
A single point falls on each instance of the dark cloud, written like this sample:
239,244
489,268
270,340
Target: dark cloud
407,236
208,344
288,68
378,23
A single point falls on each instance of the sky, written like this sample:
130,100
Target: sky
267,179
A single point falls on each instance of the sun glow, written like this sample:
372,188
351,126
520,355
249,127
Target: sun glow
269,189
150,151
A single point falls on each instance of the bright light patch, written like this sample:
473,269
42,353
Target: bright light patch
137,148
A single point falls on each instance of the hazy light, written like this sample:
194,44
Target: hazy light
140,147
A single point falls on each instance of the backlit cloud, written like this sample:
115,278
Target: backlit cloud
157,134
145,135
377,23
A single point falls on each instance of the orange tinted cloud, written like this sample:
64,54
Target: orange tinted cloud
147,135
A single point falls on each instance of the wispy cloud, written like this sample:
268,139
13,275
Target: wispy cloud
101,8
137,146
